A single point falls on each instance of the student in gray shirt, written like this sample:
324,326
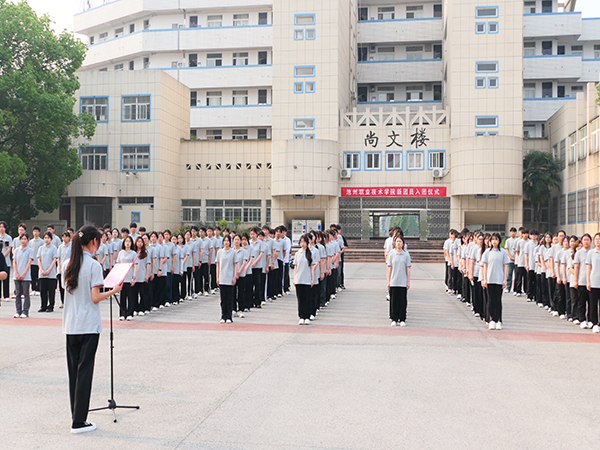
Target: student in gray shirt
494,273
82,322
398,281
304,279
226,268
593,283
47,256
22,260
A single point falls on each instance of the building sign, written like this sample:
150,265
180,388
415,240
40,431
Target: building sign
418,139
394,192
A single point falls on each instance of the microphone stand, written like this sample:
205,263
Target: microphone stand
112,405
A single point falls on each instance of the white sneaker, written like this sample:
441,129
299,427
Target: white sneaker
540,305
141,313
194,295
306,322
240,314
518,295
129,318
562,317
24,316
498,325
546,307
554,313
583,325
206,294
154,308
16,316
213,292
492,325
263,303
394,323
459,297
590,325
222,321
161,306
387,297
167,304
576,322
89,426
596,329
317,312
506,291
402,324
515,294
278,295
121,318
477,315
312,317
301,322
228,321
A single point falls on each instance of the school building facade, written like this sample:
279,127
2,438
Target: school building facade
365,113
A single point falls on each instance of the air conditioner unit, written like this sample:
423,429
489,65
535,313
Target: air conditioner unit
372,49
151,206
437,173
345,173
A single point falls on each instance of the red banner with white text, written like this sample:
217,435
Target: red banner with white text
394,191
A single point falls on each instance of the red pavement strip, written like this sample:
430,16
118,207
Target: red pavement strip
504,335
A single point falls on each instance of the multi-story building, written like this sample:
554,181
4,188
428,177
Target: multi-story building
367,113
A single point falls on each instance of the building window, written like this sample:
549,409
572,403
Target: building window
193,98
529,131
486,11
310,34
385,53
193,60
193,137
488,66
193,21
147,24
546,48
304,71
103,36
309,136
595,136
241,20
385,93
493,82
214,59
572,148
363,13
576,49
239,134
414,12
583,142
493,27
546,6
94,158
394,161
547,89
593,205
437,11
529,7
214,135
104,69
480,27
528,90
572,207
437,51
261,133
480,82
486,121
437,92
247,211
310,87
562,209
240,97
386,13
191,210
262,96
118,67
414,52
352,161
263,18
146,63
414,160
298,136
528,48
214,21
596,51
268,211
414,93
213,98
96,106
372,161
91,40
240,58
304,19
136,108
582,206
298,35
262,58
136,216
563,153
304,124
554,212
135,158
437,160
298,87
131,65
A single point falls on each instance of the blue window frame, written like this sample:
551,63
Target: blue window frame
304,124
415,160
135,108
298,35
493,82
298,136
97,106
480,82
304,19
486,121
480,27
135,158
486,67
298,87
493,27
352,160
304,71
393,160
136,216
310,34
486,12
93,157
309,87
562,205
582,193
309,136
372,161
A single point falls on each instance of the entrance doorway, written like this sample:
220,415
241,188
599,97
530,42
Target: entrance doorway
94,215
382,221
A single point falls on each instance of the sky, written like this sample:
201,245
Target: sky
62,11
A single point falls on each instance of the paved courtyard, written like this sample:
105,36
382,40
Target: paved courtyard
347,381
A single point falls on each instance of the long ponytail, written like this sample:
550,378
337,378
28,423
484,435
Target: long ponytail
81,238
308,253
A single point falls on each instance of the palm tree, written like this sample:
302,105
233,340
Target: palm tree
541,174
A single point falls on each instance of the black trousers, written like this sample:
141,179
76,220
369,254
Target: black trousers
62,290
151,291
495,302
278,281
286,277
552,293
187,281
136,299
572,311
485,305
561,298
239,291
538,288
398,303
204,277
198,279
531,285
478,298
81,354
258,285
227,293
448,276
126,300
583,298
315,297
457,280
521,280
593,306
47,293
341,268
545,295
303,294
213,277
35,277
270,279
467,294
177,290
5,284
161,290
331,283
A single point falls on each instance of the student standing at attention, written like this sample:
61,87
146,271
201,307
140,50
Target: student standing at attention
21,267
494,274
398,281
304,279
47,256
82,322
225,279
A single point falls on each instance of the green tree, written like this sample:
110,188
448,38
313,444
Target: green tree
37,123
541,174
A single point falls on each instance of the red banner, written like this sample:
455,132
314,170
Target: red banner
394,192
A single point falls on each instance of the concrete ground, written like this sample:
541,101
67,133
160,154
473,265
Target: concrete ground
347,381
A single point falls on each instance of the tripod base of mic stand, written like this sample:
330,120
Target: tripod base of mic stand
112,405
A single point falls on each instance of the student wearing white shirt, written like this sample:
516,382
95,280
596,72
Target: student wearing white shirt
55,239
304,279
315,290
509,247
82,322
493,274
546,247
580,280
226,269
593,283
446,248
320,245
169,248
213,248
179,291
398,281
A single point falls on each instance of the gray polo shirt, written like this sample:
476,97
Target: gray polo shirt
127,256
495,260
316,258
581,259
399,262
226,261
81,315
240,258
302,272
22,257
64,254
47,254
35,245
593,260
142,269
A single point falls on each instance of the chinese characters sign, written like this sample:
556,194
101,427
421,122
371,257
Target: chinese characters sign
394,192
418,139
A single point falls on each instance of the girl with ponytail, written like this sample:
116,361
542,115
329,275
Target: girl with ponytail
82,322
304,279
